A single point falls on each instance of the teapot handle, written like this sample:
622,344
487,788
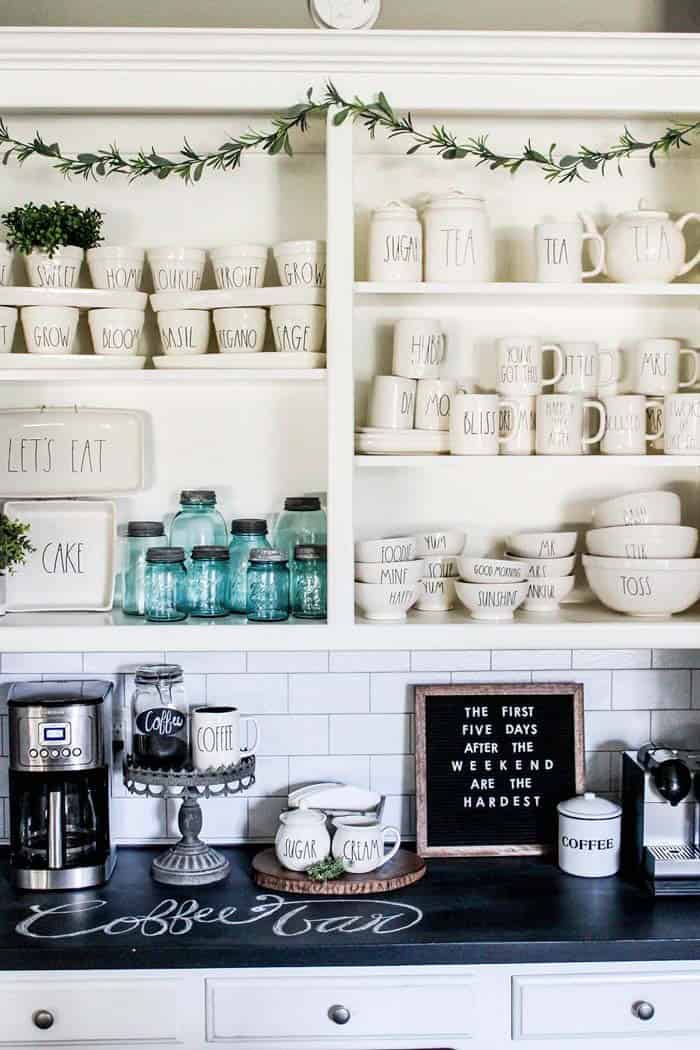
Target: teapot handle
680,223
591,232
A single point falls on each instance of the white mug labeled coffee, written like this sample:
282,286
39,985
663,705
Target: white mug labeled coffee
656,366
559,249
561,424
583,368
682,424
475,424
419,348
392,403
361,843
626,431
517,422
434,403
519,365
216,737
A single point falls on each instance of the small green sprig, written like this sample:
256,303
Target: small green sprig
15,546
48,227
326,870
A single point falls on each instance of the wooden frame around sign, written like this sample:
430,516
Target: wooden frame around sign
574,690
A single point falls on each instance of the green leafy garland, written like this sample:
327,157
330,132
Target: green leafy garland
190,165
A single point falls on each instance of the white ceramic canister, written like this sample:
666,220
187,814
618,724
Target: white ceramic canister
62,270
395,243
115,333
116,268
302,839
176,269
589,836
301,264
458,239
239,265
6,257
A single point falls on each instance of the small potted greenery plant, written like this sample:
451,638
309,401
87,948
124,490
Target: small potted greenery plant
15,548
53,239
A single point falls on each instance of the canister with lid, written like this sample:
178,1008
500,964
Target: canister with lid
589,836
395,243
458,238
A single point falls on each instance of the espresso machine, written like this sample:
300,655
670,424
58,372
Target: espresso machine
661,819
60,765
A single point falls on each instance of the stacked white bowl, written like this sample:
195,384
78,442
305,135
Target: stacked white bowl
641,559
387,575
491,588
548,560
438,551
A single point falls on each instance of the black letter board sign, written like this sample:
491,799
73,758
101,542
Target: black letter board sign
492,762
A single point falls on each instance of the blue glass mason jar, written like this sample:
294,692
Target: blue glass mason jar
246,535
140,536
310,586
165,598
208,582
198,522
268,586
302,521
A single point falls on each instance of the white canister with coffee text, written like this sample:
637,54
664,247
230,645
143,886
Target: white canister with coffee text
589,836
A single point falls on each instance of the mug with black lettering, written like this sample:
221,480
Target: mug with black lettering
559,250
475,424
682,425
520,365
589,836
392,403
216,737
434,403
419,348
360,843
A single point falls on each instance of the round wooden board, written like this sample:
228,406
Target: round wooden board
402,870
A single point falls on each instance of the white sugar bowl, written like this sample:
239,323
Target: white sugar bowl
589,836
302,839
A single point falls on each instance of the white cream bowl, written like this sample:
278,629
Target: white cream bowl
654,589
390,550
383,602
491,570
544,568
542,544
449,541
643,541
639,508
491,601
436,595
545,596
397,574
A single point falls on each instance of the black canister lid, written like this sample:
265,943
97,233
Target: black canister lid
311,552
245,526
165,555
143,529
159,673
188,496
267,554
210,553
302,503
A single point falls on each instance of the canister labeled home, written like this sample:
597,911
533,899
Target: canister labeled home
589,836
395,243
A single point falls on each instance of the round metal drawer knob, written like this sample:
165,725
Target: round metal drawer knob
43,1019
643,1011
339,1014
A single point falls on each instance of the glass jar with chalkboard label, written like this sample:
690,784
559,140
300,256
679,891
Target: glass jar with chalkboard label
160,726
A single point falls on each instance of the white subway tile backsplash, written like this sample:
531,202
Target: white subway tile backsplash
294,734
224,819
383,660
208,663
42,663
288,663
451,660
271,778
4,816
119,663
4,779
325,693
400,812
264,817
393,774
676,658
195,689
650,690
530,660
609,659
372,734
464,677
676,728
395,692
597,685
598,770
616,730
138,819
254,694
318,769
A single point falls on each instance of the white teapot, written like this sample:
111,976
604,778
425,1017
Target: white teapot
302,839
645,245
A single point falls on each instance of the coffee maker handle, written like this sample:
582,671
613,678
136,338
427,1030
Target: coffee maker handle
55,831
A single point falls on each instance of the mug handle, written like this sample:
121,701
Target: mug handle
660,432
615,359
559,370
692,216
693,354
512,434
601,257
600,409
388,830
251,747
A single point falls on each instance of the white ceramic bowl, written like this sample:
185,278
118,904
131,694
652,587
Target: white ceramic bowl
384,602
176,269
542,544
390,550
639,508
643,541
240,329
544,596
429,544
398,574
544,568
239,266
493,570
115,267
655,588
443,566
436,595
115,333
49,329
298,329
491,601
301,263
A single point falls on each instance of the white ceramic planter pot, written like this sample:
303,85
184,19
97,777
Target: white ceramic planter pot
8,323
239,266
458,238
589,836
115,268
61,271
184,331
49,329
176,269
240,331
116,333
6,257
301,264
298,329
395,244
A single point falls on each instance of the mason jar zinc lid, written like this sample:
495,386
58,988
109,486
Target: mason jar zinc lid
589,836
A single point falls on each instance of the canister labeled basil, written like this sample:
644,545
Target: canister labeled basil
589,836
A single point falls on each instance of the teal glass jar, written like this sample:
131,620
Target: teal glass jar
246,535
165,599
268,586
301,522
310,586
140,536
208,582
198,522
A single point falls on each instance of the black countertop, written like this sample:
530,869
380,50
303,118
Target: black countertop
505,910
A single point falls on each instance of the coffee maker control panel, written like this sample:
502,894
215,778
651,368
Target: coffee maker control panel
56,740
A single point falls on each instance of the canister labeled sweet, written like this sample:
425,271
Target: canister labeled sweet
458,238
589,836
395,243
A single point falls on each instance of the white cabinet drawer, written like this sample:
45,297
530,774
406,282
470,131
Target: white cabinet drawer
605,1004
84,1009
295,1010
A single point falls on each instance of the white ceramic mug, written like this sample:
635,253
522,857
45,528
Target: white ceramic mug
184,331
239,265
176,269
656,365
8,323
116,268
517,421
115,333
626,426
419,348
583,368
655,423
392,403
434,403
298,329
474,424
561,425
240,330
682,424
361,844
49,329
216,737
558,252
519,365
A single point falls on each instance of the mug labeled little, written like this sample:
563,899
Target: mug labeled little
115,333
561,424
176,269
49,329
298,329
240,330
184,332
392,403
589,836
626,431
434,403
301,264
419,348
8,323
656,366
362,845
216,737
239,266
475,424
559,250
583,368
682,425
520,365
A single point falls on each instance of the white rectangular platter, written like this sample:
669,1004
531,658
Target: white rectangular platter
54,452
72,567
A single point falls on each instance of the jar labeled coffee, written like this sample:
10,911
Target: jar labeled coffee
160,725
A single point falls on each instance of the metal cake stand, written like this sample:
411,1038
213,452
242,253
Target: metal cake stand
190,862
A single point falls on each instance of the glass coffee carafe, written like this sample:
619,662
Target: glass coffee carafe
160,724
60,822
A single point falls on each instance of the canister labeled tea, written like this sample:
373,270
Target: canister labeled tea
589,836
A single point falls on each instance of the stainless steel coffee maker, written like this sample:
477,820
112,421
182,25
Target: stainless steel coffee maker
60,762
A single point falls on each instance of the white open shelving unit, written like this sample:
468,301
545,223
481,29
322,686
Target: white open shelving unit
258,435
